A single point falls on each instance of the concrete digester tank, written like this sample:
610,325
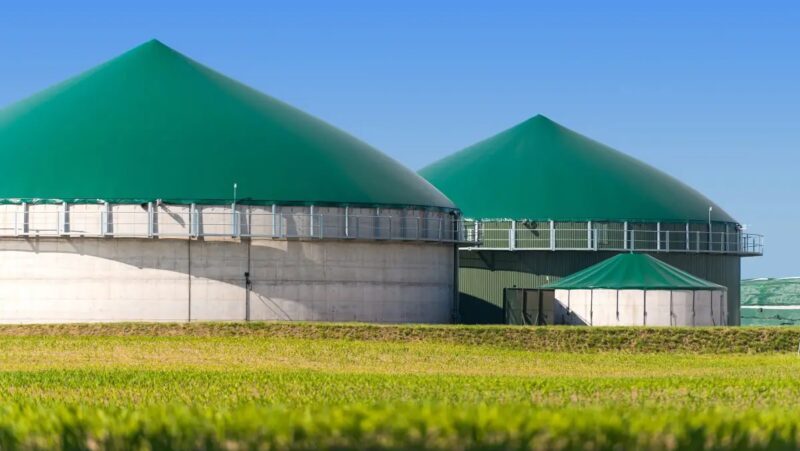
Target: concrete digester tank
544,202
637,290
152,188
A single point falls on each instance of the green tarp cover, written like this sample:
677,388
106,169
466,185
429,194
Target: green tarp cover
633,271
785,291
154,124
765,316
540,170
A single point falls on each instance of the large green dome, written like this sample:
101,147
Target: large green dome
540,170
154,124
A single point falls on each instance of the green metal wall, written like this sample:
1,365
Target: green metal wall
484,274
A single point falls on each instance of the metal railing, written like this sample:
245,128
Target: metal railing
552,237
222,222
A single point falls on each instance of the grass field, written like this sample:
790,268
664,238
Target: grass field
306,386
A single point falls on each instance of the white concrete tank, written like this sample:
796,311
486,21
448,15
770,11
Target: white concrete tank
637,290
152,188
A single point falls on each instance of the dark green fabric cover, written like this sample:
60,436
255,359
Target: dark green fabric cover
633,271
154,124
770,317
540,170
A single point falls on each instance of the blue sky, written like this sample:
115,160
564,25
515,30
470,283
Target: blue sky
707,91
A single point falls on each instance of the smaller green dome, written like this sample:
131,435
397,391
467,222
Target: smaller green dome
540,170
633,272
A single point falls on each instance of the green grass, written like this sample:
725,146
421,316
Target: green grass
308,386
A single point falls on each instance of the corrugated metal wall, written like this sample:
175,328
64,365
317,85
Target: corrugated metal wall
484,274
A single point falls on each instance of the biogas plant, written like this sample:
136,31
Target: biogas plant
544,202
152,188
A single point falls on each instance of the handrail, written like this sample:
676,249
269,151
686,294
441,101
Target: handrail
152,223
628,238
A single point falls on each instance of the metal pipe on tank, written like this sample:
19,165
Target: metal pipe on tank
645,308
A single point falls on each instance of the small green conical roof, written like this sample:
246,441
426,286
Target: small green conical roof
540,170
633,272
154,124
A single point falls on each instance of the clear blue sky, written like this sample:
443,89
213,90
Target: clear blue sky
707,91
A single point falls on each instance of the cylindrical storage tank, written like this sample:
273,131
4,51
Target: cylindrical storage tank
638,290
152,188
541,202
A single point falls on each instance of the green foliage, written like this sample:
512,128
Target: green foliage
555,339
314,386
397,426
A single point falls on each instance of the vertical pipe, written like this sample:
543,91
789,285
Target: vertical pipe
552,236
569,307
645,308
512,236
189,279
247,282
670,308
694,322
591,307
456,315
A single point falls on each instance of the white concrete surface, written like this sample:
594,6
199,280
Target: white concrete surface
51,279
603,307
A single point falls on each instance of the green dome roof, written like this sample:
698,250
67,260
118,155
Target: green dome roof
154,124
633,272
540,170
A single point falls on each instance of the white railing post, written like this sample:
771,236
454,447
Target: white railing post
275,220
26,219
105,216
687,237
512,236
594,232
347,222
477,225
589,235
150,219
625,235
194,227
658,236
633,239
552,236
311,221
234,221
61,219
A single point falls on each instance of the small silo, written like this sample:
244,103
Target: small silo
637,290
543,202
152,188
